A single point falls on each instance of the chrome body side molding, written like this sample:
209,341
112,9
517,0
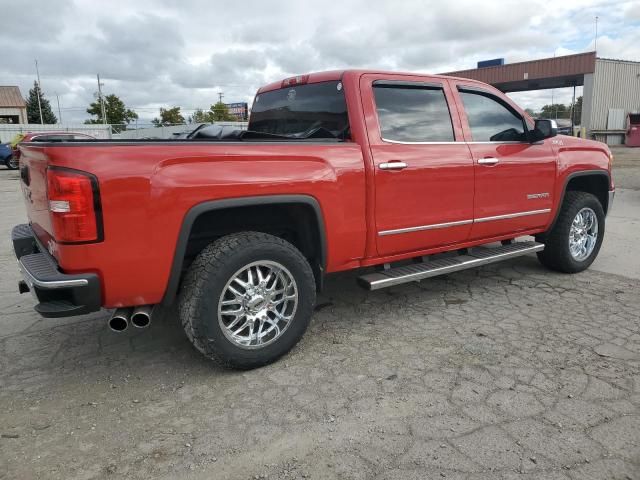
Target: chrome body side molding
434,226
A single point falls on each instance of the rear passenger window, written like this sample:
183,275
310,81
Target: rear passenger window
408,113
490,120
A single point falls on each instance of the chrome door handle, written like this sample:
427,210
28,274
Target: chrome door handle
488,161
393,166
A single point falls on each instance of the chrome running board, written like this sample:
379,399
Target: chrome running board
475,257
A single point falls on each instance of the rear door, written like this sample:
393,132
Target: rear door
423,169
514,179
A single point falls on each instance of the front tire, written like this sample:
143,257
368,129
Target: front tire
573,243
247,299
11,163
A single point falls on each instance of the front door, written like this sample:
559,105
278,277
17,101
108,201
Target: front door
514,179
423,168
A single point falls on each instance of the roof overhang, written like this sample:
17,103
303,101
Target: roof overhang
545,73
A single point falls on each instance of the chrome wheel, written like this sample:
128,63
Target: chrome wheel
258,304
583,234
13,163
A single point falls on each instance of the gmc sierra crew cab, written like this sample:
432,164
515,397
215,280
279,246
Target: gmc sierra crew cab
409,175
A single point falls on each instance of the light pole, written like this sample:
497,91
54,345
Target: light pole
59,112
102,109
38,94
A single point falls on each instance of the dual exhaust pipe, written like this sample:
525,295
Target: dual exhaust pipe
139,317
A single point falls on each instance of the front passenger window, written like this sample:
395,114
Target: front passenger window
490,120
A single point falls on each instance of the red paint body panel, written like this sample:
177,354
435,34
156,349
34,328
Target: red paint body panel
146,189
436,187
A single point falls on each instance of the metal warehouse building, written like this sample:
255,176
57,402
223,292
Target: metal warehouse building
12,106
610,93
611,87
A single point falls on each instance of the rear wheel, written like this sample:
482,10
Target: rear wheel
247,299
573,243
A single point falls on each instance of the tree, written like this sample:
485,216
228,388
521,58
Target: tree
220,113
118,115
557,110
168,116
33,110
200,116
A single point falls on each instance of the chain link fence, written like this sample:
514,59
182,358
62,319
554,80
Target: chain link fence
9,131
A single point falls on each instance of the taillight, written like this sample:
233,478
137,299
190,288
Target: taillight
74,205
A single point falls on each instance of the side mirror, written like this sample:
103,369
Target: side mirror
544,128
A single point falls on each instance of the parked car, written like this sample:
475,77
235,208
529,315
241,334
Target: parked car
564,126
43,137
411,175
6,156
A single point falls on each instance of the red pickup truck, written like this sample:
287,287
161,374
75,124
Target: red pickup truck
411,175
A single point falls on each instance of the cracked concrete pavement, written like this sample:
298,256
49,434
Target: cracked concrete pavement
508,371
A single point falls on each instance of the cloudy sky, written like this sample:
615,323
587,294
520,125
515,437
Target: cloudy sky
155,53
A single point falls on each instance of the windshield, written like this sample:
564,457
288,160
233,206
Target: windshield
302,111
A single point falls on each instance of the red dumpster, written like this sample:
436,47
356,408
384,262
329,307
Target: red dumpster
632,137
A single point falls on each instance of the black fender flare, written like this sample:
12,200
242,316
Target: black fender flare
571,176
197,210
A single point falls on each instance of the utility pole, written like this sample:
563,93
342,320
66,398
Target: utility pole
220,95
38,92
59,112
573,109
595,41
552,91
104,113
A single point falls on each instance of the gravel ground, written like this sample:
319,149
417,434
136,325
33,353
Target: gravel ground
508,371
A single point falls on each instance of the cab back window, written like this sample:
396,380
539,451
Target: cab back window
299,111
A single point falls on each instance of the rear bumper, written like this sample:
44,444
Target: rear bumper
57,294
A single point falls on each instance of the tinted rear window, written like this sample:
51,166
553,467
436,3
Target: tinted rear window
300,109
413,113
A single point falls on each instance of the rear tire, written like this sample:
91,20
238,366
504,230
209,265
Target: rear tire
573,243
214,305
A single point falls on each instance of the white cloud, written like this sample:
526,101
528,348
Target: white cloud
156,53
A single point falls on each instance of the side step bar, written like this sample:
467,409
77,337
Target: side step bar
475,257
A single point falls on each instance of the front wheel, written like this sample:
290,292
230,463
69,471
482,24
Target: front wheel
247,299
573,243
12,163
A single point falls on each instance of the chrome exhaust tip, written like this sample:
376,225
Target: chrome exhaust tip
119,321
141,316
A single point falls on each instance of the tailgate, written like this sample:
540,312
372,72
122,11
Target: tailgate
33,180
